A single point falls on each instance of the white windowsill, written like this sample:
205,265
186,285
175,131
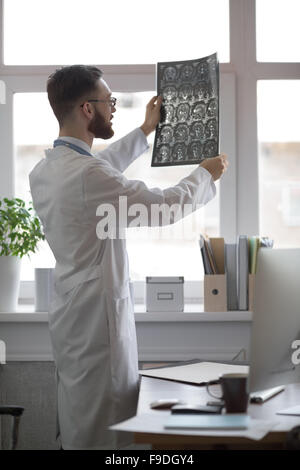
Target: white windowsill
192,313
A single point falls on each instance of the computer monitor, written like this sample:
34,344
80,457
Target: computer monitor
275,339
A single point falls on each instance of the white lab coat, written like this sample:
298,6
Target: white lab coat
91,318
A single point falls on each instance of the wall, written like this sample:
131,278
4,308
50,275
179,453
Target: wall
31,385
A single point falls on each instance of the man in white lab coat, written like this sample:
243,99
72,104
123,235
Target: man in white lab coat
91,317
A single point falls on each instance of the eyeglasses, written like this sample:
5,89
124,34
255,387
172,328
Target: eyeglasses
112,102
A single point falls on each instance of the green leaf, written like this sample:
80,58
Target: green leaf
20,228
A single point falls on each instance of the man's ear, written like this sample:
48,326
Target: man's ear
88,110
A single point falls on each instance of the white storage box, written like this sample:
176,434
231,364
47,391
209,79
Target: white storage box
164,294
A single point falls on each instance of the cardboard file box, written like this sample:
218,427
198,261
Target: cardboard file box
164,294
215,293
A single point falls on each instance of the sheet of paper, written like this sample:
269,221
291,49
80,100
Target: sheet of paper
154,424
219,422
199,373
294,411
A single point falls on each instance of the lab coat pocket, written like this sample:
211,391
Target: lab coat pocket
120,316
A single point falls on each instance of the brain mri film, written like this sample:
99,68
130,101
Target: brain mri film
188,131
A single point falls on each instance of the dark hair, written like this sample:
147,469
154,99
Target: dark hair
66,86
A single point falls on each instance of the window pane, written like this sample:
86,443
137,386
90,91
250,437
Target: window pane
279,160
98,32
2,92
35,128
277,30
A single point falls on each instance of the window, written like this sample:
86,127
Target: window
34,129
2,92
278,33
257,43
126,32
279,156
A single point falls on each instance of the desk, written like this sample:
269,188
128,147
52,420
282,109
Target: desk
153,389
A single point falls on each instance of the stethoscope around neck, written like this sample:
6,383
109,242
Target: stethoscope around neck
75,147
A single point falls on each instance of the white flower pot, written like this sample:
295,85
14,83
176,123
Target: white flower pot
10,269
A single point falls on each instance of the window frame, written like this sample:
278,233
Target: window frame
239,204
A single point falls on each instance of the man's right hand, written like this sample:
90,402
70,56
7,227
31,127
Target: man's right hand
216,165
152,117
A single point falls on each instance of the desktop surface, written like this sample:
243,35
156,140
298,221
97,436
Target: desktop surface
153,389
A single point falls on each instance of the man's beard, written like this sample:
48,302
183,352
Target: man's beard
100,128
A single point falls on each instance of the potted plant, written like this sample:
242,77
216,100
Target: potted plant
20,232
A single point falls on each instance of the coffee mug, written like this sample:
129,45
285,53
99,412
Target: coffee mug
234,392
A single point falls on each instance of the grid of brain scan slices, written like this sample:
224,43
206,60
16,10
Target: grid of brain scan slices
188,131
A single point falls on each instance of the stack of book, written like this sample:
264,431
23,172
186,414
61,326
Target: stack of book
234,265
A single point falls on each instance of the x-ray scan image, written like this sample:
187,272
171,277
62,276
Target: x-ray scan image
188,131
